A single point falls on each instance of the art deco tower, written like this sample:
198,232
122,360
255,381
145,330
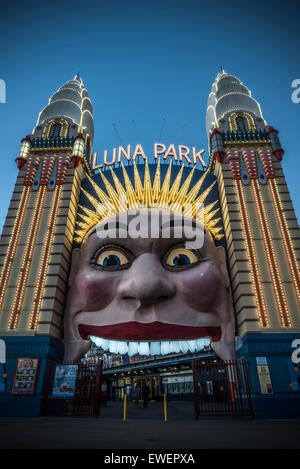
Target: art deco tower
38,232
262,233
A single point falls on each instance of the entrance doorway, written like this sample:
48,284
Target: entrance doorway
153,387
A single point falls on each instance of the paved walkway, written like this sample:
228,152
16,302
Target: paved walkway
146,429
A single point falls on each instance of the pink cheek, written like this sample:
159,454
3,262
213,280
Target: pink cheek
93,292
201,289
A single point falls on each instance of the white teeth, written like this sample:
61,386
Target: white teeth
200,344
165,347
113,346
133,348
154,348
103,343
144,348
122,348
192,345
206,341
175,346
151,348
184,346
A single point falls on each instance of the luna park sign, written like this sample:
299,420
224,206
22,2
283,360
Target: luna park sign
179,153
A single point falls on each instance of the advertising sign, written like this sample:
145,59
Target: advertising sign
25,376
64,380
264,377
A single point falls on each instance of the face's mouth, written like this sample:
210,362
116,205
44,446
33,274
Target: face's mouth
154,338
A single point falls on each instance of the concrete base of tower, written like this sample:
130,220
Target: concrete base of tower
48,351
273,374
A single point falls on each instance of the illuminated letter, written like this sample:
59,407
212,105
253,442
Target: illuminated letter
198,155
122,150
113,160
171,152
184,154
138,152
94,165
159,152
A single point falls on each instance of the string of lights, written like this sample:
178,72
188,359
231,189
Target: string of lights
254,270
290,253
27,259
38,294
13,244
271,257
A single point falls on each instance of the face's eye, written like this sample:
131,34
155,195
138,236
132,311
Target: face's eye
111,258
181,257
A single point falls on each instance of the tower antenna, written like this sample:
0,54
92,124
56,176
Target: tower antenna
136,131
180,133
161,129
118,135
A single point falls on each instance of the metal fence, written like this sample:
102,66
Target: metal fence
86,399
222,388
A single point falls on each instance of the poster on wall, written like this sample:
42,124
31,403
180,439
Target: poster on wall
65,380
264,377
2,377
25,376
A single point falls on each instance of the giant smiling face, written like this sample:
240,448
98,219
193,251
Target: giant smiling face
149,296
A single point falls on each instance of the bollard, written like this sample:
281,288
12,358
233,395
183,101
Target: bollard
165,408
125,406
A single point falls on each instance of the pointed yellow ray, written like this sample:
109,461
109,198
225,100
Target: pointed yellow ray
164,193
210,215
195,190
84,226
147,186
202,197
87,220
90,213
191,209
209,207
101,194
214,222
120,189
131,195
138,184
156,183
100,208
181,196
117,201
80,235
216,233
175,186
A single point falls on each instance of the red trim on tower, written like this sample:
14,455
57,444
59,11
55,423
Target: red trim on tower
76,161
279,154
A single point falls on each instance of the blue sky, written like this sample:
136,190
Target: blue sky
147,60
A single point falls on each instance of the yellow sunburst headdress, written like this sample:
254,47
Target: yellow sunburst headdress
176,197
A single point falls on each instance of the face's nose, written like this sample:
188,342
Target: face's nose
146,281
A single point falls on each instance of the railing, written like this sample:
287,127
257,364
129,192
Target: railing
245,136
86,399
52,142
222,388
